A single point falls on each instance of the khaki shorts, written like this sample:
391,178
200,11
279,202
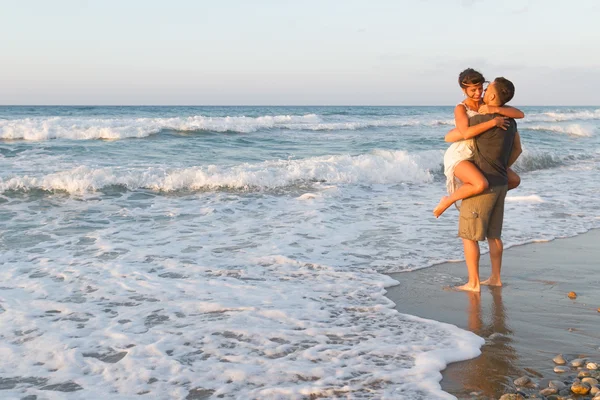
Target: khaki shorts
481,216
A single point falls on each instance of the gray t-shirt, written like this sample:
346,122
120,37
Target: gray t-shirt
492,149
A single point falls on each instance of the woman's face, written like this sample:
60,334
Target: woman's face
474,91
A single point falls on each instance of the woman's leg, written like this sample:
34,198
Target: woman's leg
514,180
473,183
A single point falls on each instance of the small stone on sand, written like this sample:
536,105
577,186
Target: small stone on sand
557,384
590,381
572,295
522,381
580,388
548,391
559,359
578,362
512,396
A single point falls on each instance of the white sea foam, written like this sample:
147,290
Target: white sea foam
380,166
571,130
525,199
308,196
173,306
558,116
122,128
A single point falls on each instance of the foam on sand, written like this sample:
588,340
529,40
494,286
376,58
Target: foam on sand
272,328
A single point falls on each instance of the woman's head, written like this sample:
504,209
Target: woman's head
471,82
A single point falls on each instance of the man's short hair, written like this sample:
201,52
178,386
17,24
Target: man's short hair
505,89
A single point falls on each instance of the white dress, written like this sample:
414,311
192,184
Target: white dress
457,152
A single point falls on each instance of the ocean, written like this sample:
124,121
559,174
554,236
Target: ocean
242,252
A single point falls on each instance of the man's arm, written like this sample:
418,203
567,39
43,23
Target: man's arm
516,149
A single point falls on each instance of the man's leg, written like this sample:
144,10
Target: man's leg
496,249
494,232
472,255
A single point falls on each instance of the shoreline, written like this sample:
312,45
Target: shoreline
525,323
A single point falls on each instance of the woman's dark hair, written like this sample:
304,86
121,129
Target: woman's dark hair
470,77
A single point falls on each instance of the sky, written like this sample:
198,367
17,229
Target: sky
284,52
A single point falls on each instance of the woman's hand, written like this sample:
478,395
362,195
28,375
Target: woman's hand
502,122
485,109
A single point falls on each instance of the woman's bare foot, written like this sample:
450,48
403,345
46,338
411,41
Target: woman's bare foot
492,282
442,206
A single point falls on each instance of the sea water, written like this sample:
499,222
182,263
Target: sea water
242,252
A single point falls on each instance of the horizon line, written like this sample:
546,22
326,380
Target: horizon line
277,105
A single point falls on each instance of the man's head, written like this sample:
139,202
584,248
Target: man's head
499,92
471,82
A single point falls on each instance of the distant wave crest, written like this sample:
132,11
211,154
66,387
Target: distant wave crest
564,116
379,166
121,128
571,130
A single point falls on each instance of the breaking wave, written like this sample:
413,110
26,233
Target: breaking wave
121,128
571,130
537,160
564,116
379,166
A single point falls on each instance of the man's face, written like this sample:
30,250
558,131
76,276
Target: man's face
489,93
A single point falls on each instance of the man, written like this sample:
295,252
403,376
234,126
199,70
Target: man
481,216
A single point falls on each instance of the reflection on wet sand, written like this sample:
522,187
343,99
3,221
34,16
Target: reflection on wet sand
488,374
526,323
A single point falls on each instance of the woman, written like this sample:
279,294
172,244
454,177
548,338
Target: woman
463,178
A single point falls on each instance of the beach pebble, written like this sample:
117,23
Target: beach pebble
560,369
559,359
572,295
580,388
578,362
512,396
548,391
556,384
522,381
595,390
590,381
584,374
565,393
592,366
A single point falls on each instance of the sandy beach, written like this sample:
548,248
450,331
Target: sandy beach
525,323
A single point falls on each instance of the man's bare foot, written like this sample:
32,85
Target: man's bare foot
468,288
442,206
492,282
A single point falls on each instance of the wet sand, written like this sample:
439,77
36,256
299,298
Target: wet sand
525,323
